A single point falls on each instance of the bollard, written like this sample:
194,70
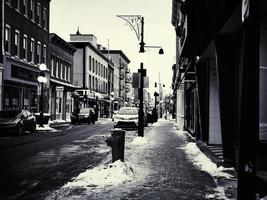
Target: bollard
116,142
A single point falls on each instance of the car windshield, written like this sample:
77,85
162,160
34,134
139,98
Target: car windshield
128,111
9,113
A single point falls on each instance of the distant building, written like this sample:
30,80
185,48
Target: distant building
61,77
121,62
24,47
90,73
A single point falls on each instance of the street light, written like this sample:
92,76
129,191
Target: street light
42,79
136,22
111,104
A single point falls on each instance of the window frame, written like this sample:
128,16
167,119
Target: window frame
25,42
8,39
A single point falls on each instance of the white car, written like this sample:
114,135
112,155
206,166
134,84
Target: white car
127,117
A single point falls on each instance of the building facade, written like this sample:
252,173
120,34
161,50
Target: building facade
219,82
25,41
121,62
90,73
61,78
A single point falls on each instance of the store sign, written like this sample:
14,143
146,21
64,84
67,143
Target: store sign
245,9
24,74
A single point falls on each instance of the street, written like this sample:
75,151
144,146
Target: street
33,164
44,165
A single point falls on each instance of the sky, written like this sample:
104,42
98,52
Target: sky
98,17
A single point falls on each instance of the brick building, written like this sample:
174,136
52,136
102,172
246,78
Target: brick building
25,42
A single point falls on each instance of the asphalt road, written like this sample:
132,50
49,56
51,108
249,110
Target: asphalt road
34,164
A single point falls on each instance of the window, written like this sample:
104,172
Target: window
52,67
17,40
45,18
25,47
32,50
66,71
89,82
24,7
17,4
39,52
8,39
44,54
90,67
69,72
96,70
57,70
8,2
93,62
38,14
61,70
31,14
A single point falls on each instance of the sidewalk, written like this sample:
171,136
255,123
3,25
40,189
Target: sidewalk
161,165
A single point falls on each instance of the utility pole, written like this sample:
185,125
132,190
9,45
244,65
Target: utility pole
141,72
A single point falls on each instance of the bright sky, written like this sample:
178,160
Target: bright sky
98,17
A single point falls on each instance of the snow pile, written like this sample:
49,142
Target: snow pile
140,141
45,128
264,198
204,163
104,175
219,194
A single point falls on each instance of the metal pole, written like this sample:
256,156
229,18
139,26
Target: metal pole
41,106
141,95
141,104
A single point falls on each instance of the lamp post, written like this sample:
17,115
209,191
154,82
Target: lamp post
136,22
111,104
42,79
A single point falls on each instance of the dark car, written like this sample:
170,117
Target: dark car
83,115
17,121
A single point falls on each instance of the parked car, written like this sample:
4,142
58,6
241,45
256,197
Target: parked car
114,114
17,121
127,117
83,115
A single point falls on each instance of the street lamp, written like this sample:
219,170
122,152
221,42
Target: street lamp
42,79
111,104
136,22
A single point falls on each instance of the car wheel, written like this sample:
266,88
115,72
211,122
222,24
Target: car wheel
20,130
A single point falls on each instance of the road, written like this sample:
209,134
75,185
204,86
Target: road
33,164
